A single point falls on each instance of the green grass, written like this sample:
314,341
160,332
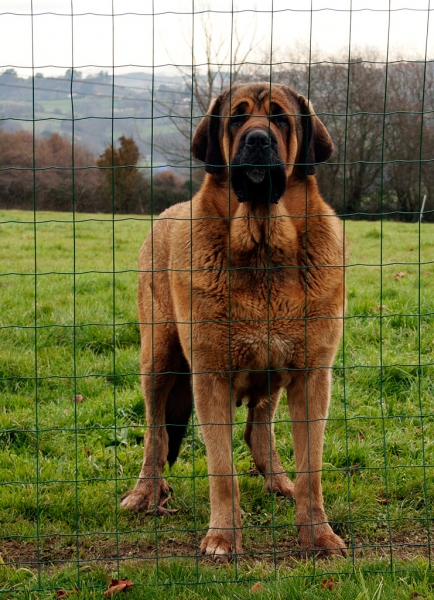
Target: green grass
63,466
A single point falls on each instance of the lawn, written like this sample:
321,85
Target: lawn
71,332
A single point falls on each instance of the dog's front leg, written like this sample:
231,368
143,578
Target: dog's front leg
308,399
215,410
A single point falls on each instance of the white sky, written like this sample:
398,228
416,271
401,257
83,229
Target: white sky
144,40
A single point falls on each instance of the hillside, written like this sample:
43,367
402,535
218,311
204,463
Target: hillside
91,105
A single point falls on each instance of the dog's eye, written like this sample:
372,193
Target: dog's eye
278,116
237,120
280,120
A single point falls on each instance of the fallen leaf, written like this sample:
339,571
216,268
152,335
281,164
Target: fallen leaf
116,586
426,272
87,451
78,398
417,595
160,511
329,584
353,469
382,500
410,249
381,307
60,594
399,275
361,436
256,588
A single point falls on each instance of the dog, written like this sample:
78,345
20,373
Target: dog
241,295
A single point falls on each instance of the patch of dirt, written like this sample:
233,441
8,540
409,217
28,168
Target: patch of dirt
55,552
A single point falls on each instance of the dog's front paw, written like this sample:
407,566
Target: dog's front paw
146,495
280,484
324,542
219,546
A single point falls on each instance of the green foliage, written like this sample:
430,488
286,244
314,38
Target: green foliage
122,178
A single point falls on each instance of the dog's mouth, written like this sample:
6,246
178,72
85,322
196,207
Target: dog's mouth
256,174
257,171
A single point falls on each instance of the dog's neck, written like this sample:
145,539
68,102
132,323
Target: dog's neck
268,231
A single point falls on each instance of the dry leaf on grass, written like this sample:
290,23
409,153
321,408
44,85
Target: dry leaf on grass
382,500
78,399
399,275
61,594
256,588
353,469
161,511
116,586
329,584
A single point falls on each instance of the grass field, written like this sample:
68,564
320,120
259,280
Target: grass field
72,330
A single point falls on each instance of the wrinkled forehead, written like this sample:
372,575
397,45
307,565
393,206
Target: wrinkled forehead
258,97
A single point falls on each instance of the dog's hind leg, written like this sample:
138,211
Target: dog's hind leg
259,436
166,389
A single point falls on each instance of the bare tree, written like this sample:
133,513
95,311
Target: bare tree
221,66
409,135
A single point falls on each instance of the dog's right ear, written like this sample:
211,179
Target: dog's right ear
206,139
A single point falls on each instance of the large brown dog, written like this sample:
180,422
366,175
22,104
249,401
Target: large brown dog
241,294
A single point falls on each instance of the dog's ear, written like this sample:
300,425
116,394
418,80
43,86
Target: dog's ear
317,145
206,139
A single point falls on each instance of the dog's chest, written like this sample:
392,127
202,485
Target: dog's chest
256,312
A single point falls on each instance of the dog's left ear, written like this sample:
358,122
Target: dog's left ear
317,145
206,139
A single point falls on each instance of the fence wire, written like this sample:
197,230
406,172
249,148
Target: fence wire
242,294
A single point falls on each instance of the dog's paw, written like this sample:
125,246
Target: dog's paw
146,495
325,544
219,546
280,485
135,500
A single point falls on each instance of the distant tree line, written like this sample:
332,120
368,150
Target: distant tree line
51,173
381,121
380,116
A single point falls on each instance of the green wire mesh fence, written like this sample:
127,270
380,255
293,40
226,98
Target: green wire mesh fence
242,295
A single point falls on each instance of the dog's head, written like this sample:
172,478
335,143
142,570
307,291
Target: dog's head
259,135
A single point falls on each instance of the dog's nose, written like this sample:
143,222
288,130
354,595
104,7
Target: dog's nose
258,138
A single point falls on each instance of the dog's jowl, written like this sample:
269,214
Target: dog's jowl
241,295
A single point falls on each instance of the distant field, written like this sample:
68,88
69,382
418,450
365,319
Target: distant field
93,120
64,466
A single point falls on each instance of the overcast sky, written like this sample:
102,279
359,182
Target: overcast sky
93,39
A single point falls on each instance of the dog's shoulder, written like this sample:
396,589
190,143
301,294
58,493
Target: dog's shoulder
155,250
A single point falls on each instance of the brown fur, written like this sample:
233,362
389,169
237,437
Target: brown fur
243,300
